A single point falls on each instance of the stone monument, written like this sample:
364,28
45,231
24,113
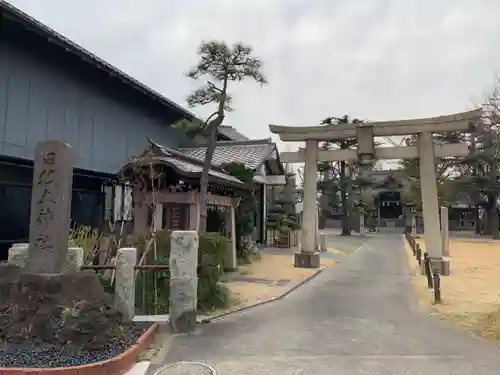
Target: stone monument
50,208
47,302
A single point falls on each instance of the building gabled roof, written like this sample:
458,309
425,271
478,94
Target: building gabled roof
231,133
9,11
251,153
183,164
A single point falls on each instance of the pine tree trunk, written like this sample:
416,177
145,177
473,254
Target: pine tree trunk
204,179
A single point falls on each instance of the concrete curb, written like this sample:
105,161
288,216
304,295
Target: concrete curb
140,368
281,296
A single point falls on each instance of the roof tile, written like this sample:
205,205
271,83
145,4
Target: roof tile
250,153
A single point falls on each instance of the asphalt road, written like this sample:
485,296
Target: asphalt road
358,317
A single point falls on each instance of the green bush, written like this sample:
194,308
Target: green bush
211,295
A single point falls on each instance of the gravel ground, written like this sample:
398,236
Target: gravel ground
27,355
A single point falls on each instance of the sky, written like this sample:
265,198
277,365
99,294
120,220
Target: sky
371,59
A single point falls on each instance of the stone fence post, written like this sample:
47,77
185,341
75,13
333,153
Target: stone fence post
126,259
18,255
183,281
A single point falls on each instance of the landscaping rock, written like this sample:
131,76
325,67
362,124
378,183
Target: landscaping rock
58,310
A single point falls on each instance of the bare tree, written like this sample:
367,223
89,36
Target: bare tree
222,64
481,168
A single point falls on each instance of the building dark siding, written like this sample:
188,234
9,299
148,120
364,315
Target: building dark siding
87,205
48,93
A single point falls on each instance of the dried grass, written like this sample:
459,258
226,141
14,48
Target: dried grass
471,294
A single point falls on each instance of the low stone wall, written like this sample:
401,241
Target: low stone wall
183,281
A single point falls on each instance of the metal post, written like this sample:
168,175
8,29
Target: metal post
428,273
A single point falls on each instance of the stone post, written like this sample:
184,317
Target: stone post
75,258
430,205
18,255
445,231
126,259
183,281
308,257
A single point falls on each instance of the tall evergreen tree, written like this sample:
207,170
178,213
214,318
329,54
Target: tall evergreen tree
340,180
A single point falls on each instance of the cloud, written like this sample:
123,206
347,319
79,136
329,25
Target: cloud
372,59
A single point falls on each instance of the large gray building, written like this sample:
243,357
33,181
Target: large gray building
50,88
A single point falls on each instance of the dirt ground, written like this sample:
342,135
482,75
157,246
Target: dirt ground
276,269
471,294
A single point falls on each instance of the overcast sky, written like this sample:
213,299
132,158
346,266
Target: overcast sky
371,59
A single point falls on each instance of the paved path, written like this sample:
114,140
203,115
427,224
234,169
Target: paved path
355,318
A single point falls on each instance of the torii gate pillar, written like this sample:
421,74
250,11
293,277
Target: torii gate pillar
309,257
430,204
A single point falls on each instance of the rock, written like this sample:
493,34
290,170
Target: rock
70,308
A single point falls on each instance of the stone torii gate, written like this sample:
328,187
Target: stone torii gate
366,154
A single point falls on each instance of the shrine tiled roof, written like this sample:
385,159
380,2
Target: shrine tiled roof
181,163
251,153
231,133
189,161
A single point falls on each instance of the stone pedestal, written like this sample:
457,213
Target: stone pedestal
307,260
126,259
183,281
440,266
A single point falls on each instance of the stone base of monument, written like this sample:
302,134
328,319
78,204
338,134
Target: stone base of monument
61,320
441,266
307,260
